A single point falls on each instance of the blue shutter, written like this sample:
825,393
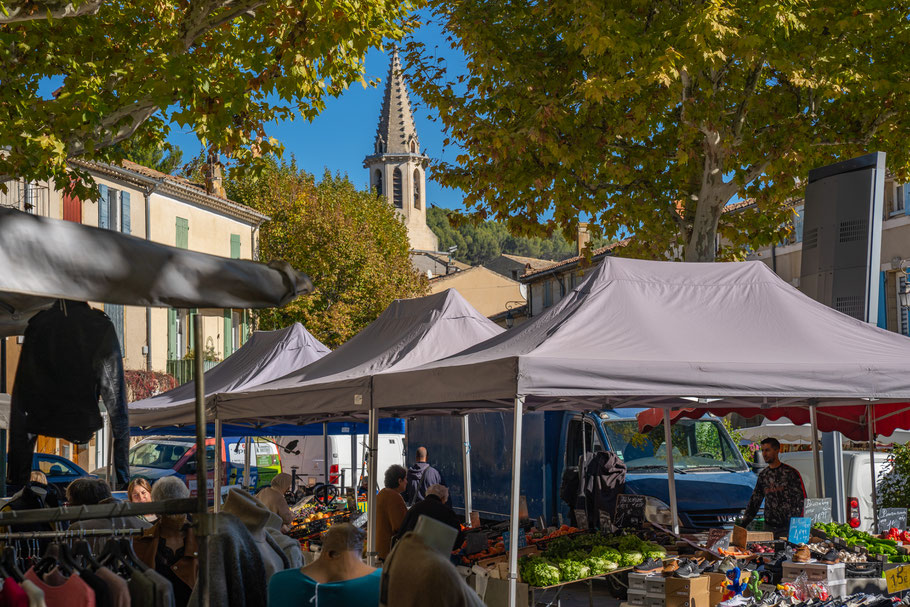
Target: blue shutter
104,216
882,309
125,212
907,199
115,312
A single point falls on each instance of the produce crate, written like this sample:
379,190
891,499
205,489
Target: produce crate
815,572
871,569
742,537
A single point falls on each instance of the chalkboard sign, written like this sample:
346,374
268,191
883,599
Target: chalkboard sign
818,509
630,511
800,530
522,540
718,538
892,517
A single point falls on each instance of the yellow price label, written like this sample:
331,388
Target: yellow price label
898,579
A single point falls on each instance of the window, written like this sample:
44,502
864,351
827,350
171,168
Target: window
574,442
160,455
377,181
547,293
798,221
235,329
413,147
514,274
416,188
900,199
108,208
56,467
396,189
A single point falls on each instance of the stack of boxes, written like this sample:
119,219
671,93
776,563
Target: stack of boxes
655,590
833,576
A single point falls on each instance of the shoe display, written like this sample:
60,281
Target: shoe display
687,570
670,566
651,565
831,557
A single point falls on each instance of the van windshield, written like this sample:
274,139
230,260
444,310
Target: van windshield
157,455
701,444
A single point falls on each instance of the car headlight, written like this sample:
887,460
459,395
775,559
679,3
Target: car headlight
656,511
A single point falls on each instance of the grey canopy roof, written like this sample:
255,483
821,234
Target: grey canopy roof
647,333
409,333
266,356
45,259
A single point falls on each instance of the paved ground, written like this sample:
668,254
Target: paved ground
577,595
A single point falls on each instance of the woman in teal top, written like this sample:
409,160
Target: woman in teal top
338,578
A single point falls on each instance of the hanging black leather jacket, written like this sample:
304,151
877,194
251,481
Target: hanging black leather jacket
70,357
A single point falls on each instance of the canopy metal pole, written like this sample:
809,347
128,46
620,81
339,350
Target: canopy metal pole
516,490
671,473
581,471
870,423
354,467
325,456
466,464
816,457
219,453
202,528
247,447
371,482
108,445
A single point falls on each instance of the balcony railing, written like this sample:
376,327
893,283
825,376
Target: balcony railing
28,196
184,370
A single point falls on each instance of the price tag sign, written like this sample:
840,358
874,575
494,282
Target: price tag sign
718,538
800,530
630,511
892,517
522,540
898,579
818,509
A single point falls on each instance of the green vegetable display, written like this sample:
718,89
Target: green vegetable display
853,537
574,558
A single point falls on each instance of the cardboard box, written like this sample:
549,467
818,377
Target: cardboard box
692,592
742,536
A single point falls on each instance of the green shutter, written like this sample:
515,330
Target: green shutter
171,334
228,334
235,246
183,233
104,215
125,212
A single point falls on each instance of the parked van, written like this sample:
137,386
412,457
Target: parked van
309,464
857,481
156,457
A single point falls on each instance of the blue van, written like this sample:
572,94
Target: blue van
713,481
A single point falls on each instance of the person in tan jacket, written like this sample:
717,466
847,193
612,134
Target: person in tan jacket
273,499
390,508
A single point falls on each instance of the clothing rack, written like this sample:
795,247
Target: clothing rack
69,533
98,511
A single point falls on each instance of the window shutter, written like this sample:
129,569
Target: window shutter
125,212
183,233
906,199
171,334
228,334
115,313
235,246
103,208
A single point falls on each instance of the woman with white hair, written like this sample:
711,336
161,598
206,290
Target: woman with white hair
169,546
434,506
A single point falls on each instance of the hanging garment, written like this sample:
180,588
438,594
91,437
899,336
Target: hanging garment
142,590
179,567
70,358
99,587
255,517
605,479
12,594
63,592
165,593
35,594
236,573
120,592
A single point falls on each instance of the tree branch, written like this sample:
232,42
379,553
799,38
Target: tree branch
108,133
18,12
751,85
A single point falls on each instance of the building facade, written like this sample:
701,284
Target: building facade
165,209
397,167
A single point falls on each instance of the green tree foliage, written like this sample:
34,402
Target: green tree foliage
652,116
351,243
479,242
164,157
225,69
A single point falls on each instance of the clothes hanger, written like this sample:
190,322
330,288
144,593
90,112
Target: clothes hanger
126,547
10,564
52,558
83,549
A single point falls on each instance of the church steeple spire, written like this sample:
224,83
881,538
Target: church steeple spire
396,167
397,133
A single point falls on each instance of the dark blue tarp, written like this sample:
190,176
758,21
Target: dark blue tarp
387,425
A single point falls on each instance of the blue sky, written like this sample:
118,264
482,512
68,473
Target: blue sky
342,135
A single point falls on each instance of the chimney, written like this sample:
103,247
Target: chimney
214,176
584,237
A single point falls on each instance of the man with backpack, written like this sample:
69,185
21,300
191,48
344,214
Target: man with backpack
421,476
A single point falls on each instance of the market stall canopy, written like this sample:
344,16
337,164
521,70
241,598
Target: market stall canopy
787,432
46,259
267,355
387,425
849,420
649,333
409,333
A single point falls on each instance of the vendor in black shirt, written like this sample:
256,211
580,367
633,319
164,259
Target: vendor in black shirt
433,506
781,488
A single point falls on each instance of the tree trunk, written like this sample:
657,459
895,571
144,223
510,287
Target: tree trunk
702,244
713,195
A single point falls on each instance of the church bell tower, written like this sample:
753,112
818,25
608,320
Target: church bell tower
397,168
